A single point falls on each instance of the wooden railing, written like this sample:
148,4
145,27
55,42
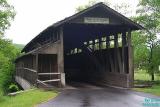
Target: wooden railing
31,76
28,74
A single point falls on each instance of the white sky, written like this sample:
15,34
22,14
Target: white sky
32,16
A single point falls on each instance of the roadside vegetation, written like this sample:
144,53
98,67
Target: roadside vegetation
143,79
27,99
147,47
8,52
142,75
155,89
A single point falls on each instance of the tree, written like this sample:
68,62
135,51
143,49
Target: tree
8,52
141,52
89,4
149,16
156,58
7,13
122,8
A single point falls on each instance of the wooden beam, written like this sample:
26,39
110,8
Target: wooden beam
61,57
123,39
60,52
109,54
124,70
48,73
32,70
100,55
93,44
53,80
130,61
115,53
119,59
36,68
100,43
107,42
38,81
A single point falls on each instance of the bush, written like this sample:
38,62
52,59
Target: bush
8,53
13,88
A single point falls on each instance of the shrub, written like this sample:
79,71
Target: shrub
8,53
13,88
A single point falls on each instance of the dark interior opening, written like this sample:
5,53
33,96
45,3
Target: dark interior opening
85,59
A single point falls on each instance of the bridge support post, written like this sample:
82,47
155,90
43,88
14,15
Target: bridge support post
130,61
61,59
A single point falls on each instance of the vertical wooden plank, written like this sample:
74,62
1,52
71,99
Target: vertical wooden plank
130,61
119,59
109,53
93,44
115,53
123,52
107,42
100,54
36,66
100,43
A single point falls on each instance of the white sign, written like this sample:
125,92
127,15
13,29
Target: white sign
96,20
159,67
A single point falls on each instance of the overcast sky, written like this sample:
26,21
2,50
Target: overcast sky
32,16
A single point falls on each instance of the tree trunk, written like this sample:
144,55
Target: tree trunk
152,76
150,63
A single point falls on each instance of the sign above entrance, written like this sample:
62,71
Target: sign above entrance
96,20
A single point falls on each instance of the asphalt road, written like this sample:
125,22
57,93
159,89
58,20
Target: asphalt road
90,96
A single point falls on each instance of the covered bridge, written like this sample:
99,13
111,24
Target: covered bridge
92,46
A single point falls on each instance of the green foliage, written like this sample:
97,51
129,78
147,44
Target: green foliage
141,52
7,13
8,53
91,3
156,59
13,88
122,8
152,90
142,75
148,15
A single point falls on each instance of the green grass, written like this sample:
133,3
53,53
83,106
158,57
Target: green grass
155,90
27,99
141,77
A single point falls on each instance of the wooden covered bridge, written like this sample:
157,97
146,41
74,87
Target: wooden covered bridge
92,46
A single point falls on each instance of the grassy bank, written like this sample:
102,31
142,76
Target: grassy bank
141,77
27,99
155,89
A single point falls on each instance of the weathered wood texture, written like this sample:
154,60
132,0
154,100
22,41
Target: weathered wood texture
61,57
47,64
130,61
26,70
85,46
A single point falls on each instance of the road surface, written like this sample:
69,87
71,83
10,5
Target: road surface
92,96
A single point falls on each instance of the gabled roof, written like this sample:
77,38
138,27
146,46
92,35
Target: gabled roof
101,4
68,19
